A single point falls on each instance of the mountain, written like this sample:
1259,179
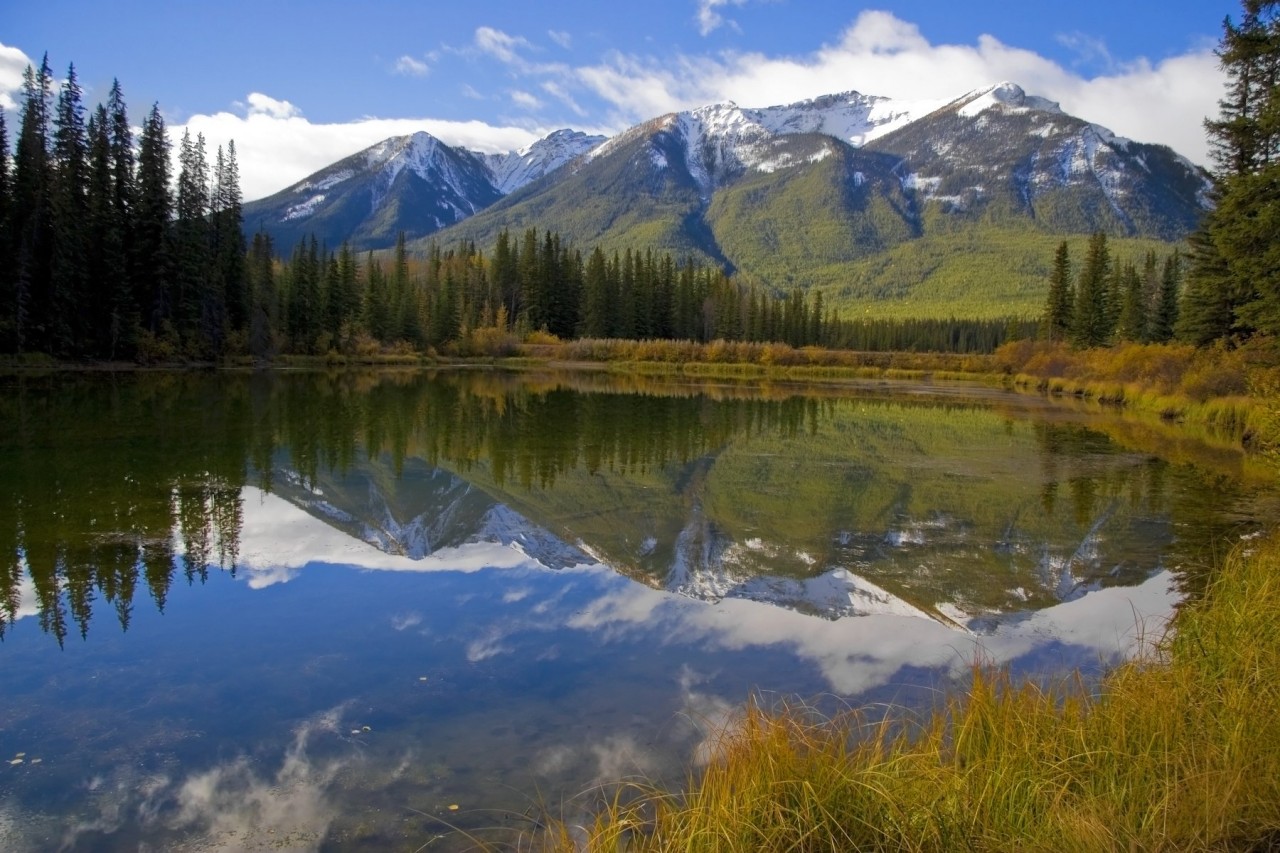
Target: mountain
938,207
999,149
871,200
415,184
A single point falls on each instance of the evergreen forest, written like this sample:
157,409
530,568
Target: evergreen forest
106,255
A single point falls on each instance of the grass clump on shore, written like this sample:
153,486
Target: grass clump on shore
1178,749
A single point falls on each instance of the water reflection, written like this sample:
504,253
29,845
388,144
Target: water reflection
374,596
829,502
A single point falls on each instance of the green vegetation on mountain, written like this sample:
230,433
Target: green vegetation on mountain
980,271
778,228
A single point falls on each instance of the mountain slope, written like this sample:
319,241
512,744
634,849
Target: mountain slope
814,194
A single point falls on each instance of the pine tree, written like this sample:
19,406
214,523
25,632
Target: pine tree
8,256
1092,323
199,306
377,303
69,327
1210,301
153,264
1132,325
262,297
122,282
227,233
596,320
32,222
1164,319
1059,309
106,262
1233,286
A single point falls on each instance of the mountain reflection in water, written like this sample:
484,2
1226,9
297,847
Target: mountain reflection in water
833,505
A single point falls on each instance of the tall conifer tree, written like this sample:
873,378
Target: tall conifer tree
33,218
153,257
69,325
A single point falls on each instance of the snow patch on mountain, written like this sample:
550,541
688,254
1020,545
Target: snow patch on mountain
849,116
1006,96
306,208
505,526
515,169
710,567
330,180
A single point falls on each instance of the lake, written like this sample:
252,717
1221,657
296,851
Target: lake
382,610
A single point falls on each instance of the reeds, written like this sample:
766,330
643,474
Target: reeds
1178,749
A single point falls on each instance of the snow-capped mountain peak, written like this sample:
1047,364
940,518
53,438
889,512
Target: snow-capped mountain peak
515,169
1008,96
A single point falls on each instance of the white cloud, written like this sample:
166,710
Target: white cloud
411,67
881,54
12,63
500,45
526,100
265,105
277,146
561,38
1089,50
558,92
709,19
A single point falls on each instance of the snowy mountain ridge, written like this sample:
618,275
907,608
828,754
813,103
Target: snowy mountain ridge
993,144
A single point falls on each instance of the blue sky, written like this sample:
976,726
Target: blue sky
301,85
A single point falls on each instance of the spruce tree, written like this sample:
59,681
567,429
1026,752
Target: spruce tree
1132,325
153,229
262,297
596,305
106,264
1060,305
69,324
1210,301
122,284
227,234
32,222
1233,285
1164,319
8,257
197,308
1091,324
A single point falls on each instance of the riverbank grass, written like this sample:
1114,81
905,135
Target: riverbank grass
1176,750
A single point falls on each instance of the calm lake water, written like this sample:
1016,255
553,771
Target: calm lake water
311,611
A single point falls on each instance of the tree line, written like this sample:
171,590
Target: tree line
102,256
319,300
